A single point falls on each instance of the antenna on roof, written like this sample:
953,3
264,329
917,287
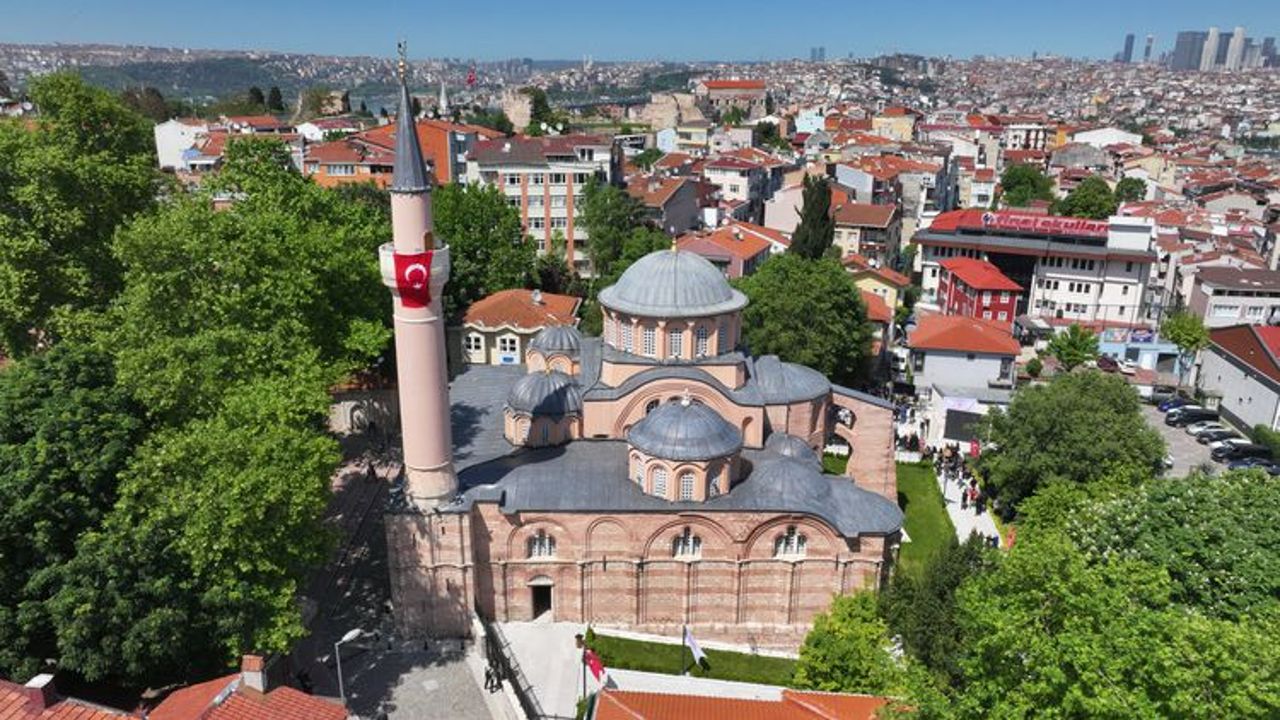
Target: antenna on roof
402,67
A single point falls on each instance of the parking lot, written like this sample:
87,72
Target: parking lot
1186,452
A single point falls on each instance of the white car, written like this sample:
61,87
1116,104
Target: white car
1128,367
1194,429
1229,441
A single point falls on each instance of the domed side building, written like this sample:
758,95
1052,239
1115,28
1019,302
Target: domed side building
654,477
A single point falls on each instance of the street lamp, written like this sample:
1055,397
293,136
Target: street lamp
352,634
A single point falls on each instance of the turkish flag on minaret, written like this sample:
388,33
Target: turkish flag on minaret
413,279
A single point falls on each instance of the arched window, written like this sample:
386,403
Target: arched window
686,485
546,432
542,545
651,406
650,336
722,338
686,544
637,470
675,342
700,341
713,481
789,544
660,481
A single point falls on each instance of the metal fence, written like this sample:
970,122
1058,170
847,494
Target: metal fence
503,662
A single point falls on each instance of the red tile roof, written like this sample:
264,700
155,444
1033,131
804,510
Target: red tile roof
864,214
742,239
516,309
201,702
877,309
734,84
979,274
14,705
654,191
959,333
794,705
1258,346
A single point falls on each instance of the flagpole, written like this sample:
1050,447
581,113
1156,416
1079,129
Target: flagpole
684,633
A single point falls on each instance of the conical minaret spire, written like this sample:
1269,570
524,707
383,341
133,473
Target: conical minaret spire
410,174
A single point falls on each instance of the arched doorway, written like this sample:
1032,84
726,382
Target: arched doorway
540,597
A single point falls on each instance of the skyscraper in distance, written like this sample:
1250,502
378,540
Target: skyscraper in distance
1126,57
1187,50
1209,56
1146,54
1235,49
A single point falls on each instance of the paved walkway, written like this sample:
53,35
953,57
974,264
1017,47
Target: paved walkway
550,662
965,521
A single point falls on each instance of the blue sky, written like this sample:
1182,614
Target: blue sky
643,29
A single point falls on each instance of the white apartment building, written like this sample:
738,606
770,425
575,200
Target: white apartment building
1075,270
544,177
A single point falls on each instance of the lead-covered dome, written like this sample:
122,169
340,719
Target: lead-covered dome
558,339
672,284
683,431
548,394
793,447
783,383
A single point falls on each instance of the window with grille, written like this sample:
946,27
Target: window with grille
675,344
660,481
722,339
686,544
626,337
700,340
650,336
475,343
507,344
542,545
789,544
686,486
637,470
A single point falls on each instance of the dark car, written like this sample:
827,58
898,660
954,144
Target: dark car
1240,451
1205,438
1173,404
1107,364
1190,414
1161,394
1249,462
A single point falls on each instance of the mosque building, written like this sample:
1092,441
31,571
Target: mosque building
654,477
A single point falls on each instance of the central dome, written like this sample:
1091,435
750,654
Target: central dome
672,284
685,430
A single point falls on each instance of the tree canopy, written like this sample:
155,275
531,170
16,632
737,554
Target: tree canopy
817,228
1074,428
848,650
1073,347
1131,189
1092,198
808,312
66,185
1021,183
488,245
609,215
1187,331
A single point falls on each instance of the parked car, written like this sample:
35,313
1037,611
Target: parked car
1239,451
1161,394
1195,428
1212,436
1248,462
1227,441
1128,367
1174,403
1107,364
1190,414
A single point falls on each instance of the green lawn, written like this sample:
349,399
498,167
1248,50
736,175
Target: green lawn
834,464
663,658
927,522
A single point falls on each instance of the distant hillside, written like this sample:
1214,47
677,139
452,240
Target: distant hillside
215,77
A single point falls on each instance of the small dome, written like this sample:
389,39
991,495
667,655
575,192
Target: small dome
783,383
557,339
672,284
685,431
545,393
794,448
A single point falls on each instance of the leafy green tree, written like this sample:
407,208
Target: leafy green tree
1050,633
255,97
1131,189
5,90
1035,367
492,119
609,216
147,102
807,312
817,228
542,118
647,158
275,100
733,116
1076,428
1092,198
552,271
766,135
66,431
285,277
1178,524
848,650
488,245
66,185
1021,183
1188,332
1074,347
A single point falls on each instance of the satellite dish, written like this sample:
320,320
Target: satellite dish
544,127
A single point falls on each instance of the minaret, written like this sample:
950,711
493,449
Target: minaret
443,104
419,324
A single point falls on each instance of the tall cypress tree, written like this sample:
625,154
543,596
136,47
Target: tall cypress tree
817,229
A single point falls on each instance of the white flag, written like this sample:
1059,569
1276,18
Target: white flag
698,656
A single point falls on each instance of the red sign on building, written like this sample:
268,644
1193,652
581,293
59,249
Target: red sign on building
1041,224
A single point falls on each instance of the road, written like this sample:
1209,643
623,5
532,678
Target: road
1187,454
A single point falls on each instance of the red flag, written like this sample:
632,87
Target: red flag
413,279
974,448
471,76
593,664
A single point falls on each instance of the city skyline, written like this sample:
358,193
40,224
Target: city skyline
575,28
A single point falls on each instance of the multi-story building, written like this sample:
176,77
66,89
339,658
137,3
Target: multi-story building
740,181
873,231
1073,270
1241,367
976,288
445,145
1225,296
544,177
960,352
1187,50
749,96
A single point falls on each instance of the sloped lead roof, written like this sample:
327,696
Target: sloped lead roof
545,393
558,338
672,284
685,430
410,174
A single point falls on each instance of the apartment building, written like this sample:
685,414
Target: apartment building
976,288
1225,296
1073,270
544,177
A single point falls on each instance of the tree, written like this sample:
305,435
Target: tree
1131,189
147,102
733,116
209,302
488,245
542,118
1074,347
848,650
817,229
609,215
275,100
255,97
807,312
1020,184
647,158
1053,633
66,431
1035,367
766,135
1188,332
492,119
1076,428
5,90
1092,198
66,185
